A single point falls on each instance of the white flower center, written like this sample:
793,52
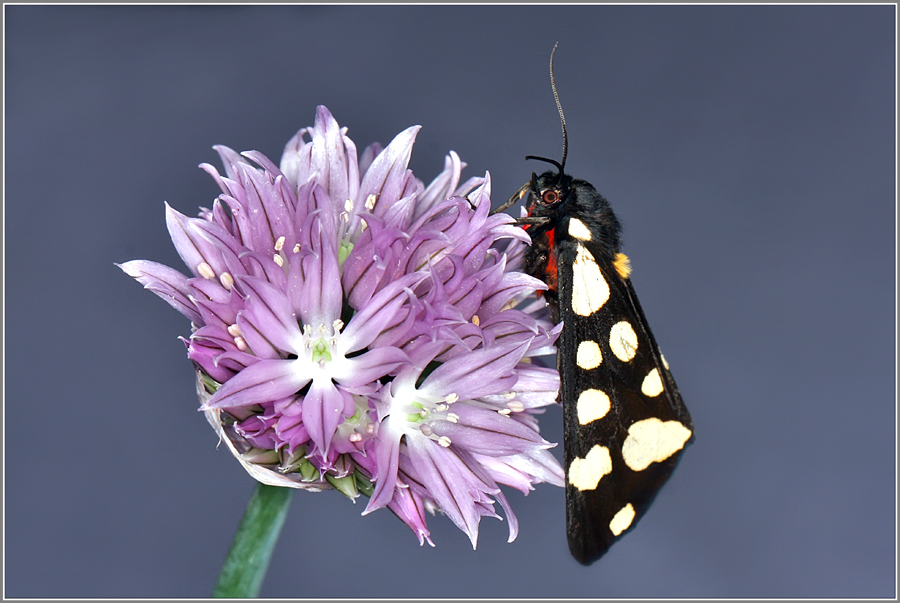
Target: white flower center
412,413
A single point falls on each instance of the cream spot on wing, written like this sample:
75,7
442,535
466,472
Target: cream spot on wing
589,289
578,230
653,441
652,385
586,473
592,404
588,355
623,341
663,358
622,520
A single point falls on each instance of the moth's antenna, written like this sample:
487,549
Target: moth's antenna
562,118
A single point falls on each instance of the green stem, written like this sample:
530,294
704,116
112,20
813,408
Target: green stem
247,560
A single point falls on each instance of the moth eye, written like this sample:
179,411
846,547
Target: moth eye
550,196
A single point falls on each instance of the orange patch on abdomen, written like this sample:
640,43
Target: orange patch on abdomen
552,268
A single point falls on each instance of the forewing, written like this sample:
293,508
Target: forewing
625,423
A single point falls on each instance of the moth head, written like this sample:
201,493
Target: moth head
547,193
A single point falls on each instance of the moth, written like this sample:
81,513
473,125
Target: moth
625,424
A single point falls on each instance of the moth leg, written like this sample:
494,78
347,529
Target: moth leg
515,197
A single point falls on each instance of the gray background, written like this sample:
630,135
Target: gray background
748,150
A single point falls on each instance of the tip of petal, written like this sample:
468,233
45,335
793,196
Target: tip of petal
323,114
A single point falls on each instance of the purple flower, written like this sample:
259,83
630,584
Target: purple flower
355,329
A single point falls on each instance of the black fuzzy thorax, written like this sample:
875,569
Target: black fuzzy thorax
577,199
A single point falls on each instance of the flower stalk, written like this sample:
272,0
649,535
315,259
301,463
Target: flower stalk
248,558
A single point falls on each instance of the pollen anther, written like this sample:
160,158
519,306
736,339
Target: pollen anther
206,271
227,281
516,406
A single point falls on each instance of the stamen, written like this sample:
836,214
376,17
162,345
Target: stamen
426,429
504,411
234,330
453,417
279,244
338,325
371,200
516,406
444,441
451,398
296,248
241,344
227,281
278,260
475,320
355,437
348,205
206,271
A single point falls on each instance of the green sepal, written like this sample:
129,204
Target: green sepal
209,384
345,485
363,483
308,472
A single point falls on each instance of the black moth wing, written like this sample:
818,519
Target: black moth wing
598,516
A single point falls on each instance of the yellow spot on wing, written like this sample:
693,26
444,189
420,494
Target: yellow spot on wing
586,473
592,404
589,289
622,520
588,356
623,341
653,441
652,385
